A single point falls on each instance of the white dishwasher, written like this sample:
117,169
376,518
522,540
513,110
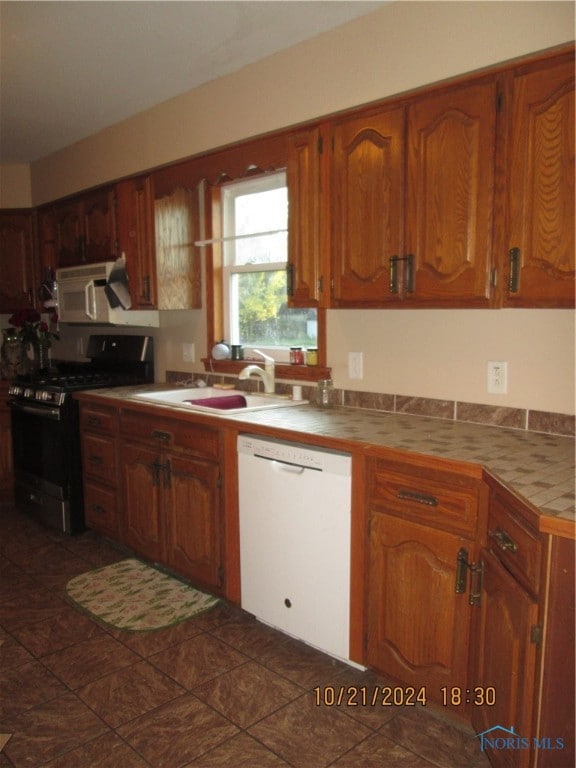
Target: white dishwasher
295,509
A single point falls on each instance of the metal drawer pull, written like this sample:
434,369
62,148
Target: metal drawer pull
93,459
94,421
417,496
504,541
159,435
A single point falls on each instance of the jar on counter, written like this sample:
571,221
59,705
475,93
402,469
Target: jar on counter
312,356
296,356
325,397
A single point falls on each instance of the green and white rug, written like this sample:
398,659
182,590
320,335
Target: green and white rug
133,596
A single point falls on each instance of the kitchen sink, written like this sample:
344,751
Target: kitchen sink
218,402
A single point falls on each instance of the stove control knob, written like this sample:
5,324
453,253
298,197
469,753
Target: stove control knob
28,392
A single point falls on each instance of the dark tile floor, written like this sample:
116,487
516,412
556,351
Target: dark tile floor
218,690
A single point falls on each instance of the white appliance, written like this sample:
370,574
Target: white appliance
82,298
295,509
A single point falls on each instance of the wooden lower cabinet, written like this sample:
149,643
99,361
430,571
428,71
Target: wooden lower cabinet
523,640
99,445
418,626
171,487
506,666
6,464
141,516
421,531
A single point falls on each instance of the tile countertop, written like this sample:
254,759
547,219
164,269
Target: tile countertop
539,467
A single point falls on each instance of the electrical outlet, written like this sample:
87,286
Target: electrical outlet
355,365
497,378
188,353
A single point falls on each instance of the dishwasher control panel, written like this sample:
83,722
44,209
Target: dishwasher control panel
299,454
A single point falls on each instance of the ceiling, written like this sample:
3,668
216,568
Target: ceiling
70,69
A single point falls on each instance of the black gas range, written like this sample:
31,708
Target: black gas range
45,425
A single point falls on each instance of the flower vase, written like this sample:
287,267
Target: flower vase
40,357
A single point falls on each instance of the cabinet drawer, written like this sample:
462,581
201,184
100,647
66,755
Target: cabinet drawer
424,500
99,418
195,438
515,543
100,508
99,458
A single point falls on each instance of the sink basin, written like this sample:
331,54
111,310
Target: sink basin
218,402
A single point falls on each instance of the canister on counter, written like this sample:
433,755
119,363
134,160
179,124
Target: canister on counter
312,356
237,352
325,398
296,356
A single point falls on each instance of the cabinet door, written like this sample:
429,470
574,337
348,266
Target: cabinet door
135,219
192,513
418,627
6,465
99,226
143,476
368,209
16,287
68,227
506,660
541,188
178,273
306,280
450,186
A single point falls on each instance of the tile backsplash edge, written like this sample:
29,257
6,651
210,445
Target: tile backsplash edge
477,413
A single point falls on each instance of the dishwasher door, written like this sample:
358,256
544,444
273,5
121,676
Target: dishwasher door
295,507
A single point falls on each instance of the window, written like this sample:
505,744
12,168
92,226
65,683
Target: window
255,249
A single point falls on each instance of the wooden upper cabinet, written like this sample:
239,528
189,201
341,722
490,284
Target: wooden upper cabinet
84,228
135,221
156,232
450,196
367,190
540,187
178,279
16,261
307,280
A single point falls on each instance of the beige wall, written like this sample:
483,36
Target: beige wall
398,47
15,186
426,353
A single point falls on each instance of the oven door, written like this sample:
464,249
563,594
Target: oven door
47,471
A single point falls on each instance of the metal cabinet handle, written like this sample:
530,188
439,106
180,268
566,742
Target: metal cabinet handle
290,279
158,434
503,540
393,284
418,497
98,509
97,460
94,421
409,273
514,276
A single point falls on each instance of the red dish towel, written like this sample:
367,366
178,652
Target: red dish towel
224,403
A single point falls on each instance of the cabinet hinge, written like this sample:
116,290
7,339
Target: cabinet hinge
220,575
219,481
536,634
499,102
320,144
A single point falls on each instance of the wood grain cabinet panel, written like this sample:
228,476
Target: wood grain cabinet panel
367,207
16,261
540,188
450,195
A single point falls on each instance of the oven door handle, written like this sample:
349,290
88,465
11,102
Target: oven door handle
39,410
